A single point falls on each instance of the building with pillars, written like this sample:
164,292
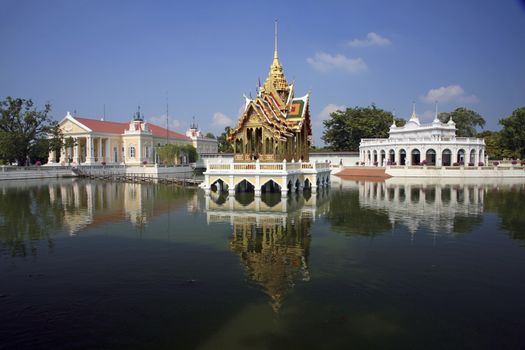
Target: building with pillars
433,144
133,143
271,143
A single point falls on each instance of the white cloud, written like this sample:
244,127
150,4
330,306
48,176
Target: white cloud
325,62
451,93
372,39
160,120
221,119
325,112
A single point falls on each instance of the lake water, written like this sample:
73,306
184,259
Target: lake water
396,264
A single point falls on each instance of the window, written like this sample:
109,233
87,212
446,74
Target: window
132,152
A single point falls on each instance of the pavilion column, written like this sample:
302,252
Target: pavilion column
107,157
51,157
99,149
62,154
76,151
89,150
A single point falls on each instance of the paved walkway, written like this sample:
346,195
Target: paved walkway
363,171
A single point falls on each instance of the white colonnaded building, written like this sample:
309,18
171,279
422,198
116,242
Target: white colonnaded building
433,144
99,142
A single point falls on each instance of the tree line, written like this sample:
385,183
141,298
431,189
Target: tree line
344,129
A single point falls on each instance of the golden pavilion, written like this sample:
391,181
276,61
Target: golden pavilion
271,143
275,125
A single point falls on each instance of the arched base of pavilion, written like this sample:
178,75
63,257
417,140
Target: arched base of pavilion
266,177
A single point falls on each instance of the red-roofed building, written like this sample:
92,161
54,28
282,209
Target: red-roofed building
100,141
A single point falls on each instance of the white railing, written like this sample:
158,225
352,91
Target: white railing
266,167
456,140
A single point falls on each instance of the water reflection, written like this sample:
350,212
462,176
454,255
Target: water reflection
271,235
37,211
438,206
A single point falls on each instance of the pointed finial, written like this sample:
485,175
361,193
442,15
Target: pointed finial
413,107
436,116
275,55
394,117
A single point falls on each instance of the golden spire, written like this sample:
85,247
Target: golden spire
276,75
275,54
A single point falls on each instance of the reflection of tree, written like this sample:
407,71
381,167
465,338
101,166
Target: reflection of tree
510,206
26,214
465,224
274,255
348,217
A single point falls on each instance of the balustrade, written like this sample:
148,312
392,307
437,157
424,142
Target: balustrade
263,167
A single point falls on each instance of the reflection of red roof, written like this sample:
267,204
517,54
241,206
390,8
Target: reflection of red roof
118,128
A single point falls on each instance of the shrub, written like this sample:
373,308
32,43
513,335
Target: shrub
495,163
481,164
462,163
523,162
38,163
514,162
362,163
103,163
376,163
455,164
470,164
145,162
424,162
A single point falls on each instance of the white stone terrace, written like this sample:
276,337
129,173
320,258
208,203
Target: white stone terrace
287,176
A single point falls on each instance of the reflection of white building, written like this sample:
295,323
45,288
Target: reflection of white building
87,203
258,211
414,143
434,206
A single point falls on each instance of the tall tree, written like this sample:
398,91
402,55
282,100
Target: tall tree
513,133
223,145
467,121
345,129
21,126
210,135
56,139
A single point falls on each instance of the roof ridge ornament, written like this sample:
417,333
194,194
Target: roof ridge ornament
414,118
436,119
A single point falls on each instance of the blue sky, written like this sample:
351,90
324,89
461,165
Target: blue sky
82,55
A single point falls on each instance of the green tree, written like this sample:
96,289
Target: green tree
210,135
223,145
21,126
56,139
345,129
493,145
170,154
467,121
39,151
190,152
513,133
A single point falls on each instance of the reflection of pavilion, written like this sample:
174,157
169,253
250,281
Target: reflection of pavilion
87,203
430,204
271,235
